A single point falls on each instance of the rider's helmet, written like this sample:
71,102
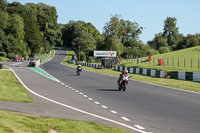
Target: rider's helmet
79,65
126,71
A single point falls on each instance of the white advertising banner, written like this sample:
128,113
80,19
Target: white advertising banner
105,53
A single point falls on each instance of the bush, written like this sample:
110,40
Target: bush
3,54
3,59
82,56
11,55
165,49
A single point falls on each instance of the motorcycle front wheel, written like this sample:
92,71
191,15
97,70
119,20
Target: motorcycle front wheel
124,86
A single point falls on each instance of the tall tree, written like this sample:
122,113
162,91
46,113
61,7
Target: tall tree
122,32
16,29
3,5
158,41
171,32
84,42
75,28
32,33
47,22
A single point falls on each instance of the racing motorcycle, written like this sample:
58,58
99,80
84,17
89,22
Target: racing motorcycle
78,71
123,83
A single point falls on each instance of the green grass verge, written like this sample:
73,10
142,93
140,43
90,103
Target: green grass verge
4,67
172,60
46,57
2,59
23,123
181,84
11,89
69,55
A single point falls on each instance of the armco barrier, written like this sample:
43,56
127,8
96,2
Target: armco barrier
192,76
90,65
142,71
196,76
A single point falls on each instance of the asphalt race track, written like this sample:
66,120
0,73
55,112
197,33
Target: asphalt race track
149,108
157,109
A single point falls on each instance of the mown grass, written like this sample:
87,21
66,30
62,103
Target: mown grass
69,55
46,57
4,67
2,59
23,123
11,89
181,84
173,61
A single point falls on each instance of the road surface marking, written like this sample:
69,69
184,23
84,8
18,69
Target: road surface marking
43,73
114,112
96,102
80,93
85,95
104,107
126,119
90,99
76,109
66,86
142,82
139,127
62,83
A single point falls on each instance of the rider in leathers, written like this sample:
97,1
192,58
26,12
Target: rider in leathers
121,75
79,68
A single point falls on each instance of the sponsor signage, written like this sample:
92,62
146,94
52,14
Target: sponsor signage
105,53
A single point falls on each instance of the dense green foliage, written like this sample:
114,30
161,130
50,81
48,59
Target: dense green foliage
31,29
170,39
26,30
119,35
80,36
123,36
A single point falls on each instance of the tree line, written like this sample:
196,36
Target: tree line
30,29
170,39
26,30
118,35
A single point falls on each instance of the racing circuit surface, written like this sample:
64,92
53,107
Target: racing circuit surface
95,98
157,109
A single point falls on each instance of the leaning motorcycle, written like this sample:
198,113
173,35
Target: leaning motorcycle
123,83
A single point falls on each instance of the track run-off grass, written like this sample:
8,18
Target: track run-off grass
24,123
11,89
180,60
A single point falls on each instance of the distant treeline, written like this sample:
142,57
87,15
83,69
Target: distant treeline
26,30
118,35
170,39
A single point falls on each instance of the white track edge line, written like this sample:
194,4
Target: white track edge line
76,109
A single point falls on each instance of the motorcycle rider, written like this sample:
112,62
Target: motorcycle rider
79,68
121,75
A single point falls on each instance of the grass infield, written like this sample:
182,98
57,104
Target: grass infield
11,89
23,123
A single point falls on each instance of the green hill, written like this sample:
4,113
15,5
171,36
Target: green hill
180,60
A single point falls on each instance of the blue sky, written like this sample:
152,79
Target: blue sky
149,14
